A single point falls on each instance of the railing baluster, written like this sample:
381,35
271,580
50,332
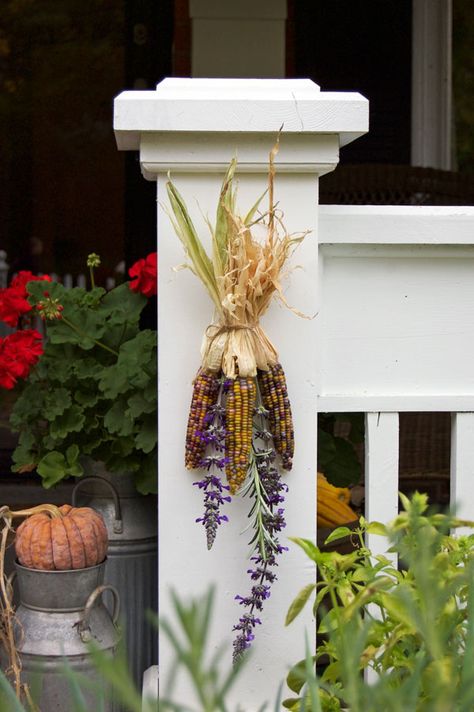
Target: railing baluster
462,467
381,472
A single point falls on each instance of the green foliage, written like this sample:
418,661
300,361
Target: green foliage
413,627
337,457
93,392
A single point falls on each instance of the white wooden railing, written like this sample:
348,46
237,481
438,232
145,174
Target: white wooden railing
396,333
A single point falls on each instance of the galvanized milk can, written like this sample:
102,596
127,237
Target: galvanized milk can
132,559
60,612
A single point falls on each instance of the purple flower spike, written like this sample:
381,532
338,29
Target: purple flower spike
211,485
245,626
261,575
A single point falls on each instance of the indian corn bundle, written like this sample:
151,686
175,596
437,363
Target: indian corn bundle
239,363
240,415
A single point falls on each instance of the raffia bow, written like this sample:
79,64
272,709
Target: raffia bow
237,349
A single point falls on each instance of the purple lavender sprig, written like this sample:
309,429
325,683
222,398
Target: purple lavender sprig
266,488
213,489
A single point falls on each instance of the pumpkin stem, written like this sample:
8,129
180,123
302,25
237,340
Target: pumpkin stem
50,509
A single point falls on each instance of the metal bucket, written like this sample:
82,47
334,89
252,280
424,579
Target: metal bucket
60,612
132,556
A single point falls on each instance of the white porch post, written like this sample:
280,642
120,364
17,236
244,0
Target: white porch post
193,127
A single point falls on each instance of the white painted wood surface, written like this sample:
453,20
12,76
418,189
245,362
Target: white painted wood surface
238,106
211,109
381,473
397,308
462,467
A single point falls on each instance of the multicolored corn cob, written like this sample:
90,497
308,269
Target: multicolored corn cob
205,393
275,399
240,403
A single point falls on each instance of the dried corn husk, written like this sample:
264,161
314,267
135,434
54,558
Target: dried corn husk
242,276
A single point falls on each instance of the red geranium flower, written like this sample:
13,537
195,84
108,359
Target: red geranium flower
13,305
18,353
13,299
20,281
144,274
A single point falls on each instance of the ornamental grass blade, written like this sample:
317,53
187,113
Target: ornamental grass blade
185,230
225,204
8,696
249,217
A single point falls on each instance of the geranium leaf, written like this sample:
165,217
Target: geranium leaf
71,421
117,420
147,437
52,468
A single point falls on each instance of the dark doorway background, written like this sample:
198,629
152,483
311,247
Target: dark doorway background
65,189
364,46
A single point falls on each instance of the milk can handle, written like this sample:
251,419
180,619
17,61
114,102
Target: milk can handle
83,625
118,523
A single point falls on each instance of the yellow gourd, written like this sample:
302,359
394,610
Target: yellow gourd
333,504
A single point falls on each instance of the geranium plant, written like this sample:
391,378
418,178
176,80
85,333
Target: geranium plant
89,387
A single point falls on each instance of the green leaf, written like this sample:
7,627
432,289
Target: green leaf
134,367
122,305
71,421
28,406
122,447
86,400
52,468
297,677
72,457
326,450
299,602
400,605
344,468
338,533
25,453
117,421
329,622
138,404
56,402
377,528
87,367
147,437
308,547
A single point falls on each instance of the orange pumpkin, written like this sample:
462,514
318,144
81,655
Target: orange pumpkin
61,538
